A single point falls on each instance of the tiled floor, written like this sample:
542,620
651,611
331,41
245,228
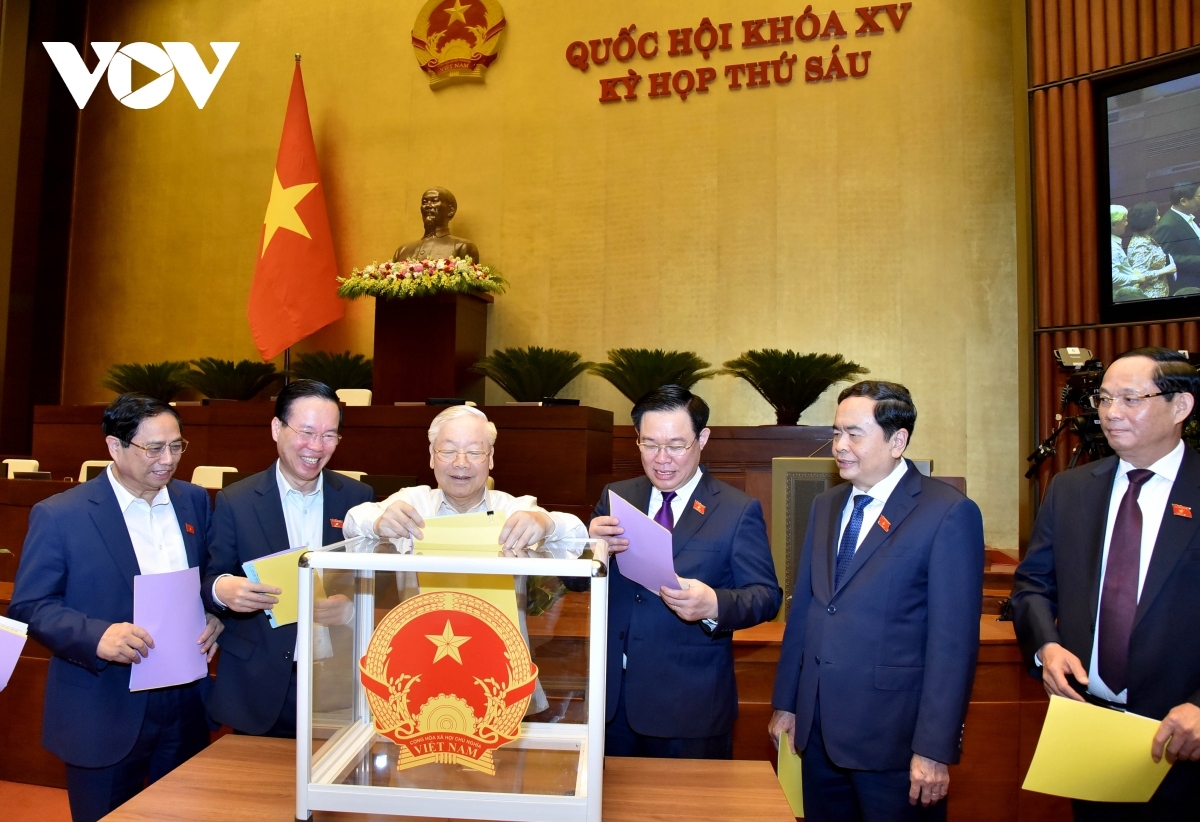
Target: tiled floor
33,803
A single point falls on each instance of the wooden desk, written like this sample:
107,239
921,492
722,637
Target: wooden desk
248,779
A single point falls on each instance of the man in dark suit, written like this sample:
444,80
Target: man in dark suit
1107,599
75,589
670,684
1178,235
879,652
293,503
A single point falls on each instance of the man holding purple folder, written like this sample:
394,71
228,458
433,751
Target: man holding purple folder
75,588
670,685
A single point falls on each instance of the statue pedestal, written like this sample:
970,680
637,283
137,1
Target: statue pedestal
425,347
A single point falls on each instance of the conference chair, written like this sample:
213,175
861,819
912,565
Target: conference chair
211,476
354,475
355,396
15,465
91,468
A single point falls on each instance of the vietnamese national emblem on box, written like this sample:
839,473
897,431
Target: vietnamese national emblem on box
448,677
456,40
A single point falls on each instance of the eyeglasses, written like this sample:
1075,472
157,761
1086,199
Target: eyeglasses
651,449
1130,401
328,438
474,457
156,451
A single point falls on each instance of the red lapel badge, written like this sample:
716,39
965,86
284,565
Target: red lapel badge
335,523
188,527
1181,510
698,505
884,524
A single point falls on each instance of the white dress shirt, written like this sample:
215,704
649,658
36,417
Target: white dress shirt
879,493
1189,218
683,496
1153,501
153,529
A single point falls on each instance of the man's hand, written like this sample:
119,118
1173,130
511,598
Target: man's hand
400,520
1182,728
523,529
241,595
928,781
1057,664
208,640
608,529
333,610
783,722
694,602
124,642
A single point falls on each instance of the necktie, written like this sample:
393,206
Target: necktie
850,538
1118,598
665,516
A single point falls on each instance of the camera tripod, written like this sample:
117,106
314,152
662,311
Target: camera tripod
1091,445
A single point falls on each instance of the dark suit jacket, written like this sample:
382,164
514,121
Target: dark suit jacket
893,649
1176,237
74,581
679,683
256,659
1057,590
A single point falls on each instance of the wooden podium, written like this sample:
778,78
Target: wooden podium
425,347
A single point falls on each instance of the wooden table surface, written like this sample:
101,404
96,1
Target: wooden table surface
251,779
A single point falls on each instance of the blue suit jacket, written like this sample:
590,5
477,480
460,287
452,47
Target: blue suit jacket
893,649
74,581
680,683
256,659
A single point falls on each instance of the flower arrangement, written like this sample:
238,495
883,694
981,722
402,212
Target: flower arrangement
420,278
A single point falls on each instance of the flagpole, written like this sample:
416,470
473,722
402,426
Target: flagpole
287,365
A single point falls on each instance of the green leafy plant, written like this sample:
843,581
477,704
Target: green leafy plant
531,374
161,380
636,372
229,380
343,370
791,382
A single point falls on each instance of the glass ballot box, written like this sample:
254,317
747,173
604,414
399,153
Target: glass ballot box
451,686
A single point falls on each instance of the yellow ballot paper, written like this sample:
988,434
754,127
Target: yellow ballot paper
467,535
282,570
789,776
1097,754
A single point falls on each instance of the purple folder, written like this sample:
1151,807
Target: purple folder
11,644
168,607
648,559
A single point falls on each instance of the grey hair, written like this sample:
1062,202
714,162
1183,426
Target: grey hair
455,412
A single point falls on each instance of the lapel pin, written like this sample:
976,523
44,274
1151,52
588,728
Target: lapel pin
189,528
698,505
335,523
1181,510
884,524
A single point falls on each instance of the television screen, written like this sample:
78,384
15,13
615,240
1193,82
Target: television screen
1151,261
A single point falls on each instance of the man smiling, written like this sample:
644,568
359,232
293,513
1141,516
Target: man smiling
670,685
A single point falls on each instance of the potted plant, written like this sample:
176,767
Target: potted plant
532,374
161,380
636,372
420,278
791,382
229,380
343,370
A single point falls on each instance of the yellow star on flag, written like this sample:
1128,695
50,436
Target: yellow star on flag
447,644
458,11
281,210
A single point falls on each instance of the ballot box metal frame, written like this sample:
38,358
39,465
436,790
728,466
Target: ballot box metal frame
319,774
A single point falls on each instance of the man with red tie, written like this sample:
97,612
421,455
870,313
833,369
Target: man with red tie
1107,600
670,683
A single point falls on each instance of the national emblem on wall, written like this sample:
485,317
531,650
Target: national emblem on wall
448,677
456,40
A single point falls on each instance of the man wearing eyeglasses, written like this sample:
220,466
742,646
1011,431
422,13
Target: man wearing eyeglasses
1107,600
670,684
75,589
294,503
462,444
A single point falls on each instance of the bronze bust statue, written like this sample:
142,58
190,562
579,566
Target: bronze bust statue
438,207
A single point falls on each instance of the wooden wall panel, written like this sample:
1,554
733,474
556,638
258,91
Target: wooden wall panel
1070,38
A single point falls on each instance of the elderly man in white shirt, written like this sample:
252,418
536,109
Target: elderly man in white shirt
461,450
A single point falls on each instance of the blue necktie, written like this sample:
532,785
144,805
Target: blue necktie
850,539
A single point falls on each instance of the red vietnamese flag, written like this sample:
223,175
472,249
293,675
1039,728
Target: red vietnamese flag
295,280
